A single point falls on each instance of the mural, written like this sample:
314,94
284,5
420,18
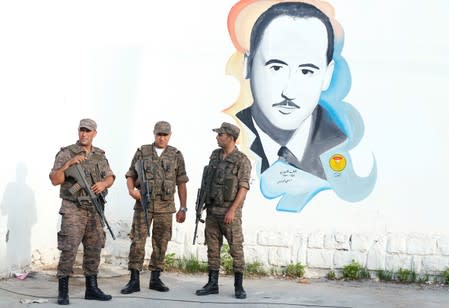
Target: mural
293,80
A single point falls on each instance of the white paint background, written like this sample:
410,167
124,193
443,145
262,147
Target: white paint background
128,64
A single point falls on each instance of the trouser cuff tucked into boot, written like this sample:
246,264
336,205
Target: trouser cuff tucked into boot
133,284
211,287
63,290
238,286
92,290
156,283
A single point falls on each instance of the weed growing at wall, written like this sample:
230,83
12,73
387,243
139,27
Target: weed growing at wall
405,276
295,270
255,269
364,273
226,259
170,261
352,271
445,275
355,271
423,278
384,275
193,265
331,275
402,275
190,265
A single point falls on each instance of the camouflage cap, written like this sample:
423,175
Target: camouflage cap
162,127
228,128
88,123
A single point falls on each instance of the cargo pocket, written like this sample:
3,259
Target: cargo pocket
236,236
168,190
63,241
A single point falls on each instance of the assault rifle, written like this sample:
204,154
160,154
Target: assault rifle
77,172
145,191
200,203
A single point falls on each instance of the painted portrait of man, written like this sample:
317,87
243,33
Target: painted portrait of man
298,127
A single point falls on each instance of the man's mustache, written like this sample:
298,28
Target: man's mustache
286,102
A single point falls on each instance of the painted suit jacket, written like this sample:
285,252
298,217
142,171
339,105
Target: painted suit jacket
324,135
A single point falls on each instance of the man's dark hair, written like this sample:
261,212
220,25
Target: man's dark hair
295,10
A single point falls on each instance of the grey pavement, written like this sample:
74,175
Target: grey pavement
262,292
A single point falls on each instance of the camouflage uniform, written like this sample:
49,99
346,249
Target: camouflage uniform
163,174
80,221
226,178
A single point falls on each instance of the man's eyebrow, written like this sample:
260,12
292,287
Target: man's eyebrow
275,61
309,65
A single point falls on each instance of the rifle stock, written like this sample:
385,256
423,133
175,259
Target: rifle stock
77,172
145,191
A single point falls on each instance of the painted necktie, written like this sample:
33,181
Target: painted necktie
285,154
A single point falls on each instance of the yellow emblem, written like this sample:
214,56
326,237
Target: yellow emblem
337,162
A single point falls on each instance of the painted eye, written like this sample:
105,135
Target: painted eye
305,71
275,68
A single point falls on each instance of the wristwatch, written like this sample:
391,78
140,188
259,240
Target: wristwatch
183,209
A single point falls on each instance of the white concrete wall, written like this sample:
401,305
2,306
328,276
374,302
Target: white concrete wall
128,64
319,251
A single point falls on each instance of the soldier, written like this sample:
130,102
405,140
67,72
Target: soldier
80,221
164,170
227,178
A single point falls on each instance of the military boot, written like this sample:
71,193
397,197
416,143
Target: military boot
92,290
133,284
211,287
156,283
63,290
238,286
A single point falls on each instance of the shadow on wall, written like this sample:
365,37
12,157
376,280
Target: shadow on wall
19,206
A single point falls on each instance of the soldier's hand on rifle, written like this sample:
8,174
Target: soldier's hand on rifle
75,160
99,187
57,177
181,215
135,194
